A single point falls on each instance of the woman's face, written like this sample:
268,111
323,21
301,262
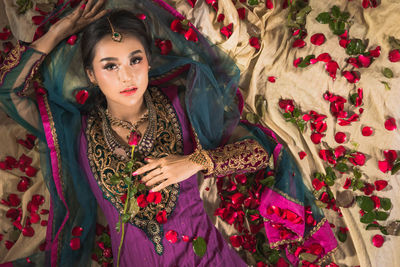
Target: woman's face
120,69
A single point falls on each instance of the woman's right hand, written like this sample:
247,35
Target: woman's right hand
82,16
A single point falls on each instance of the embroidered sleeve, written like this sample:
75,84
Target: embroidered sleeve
242,156
19,68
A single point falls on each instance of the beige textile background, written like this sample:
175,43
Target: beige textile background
306,87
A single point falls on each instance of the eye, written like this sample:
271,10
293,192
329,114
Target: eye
136,60
110,66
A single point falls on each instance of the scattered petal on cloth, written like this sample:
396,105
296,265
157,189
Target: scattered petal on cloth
317,39
390,124
171,236
378,240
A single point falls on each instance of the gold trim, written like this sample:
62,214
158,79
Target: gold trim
11,61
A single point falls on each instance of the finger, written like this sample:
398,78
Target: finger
151,175
78,12
99,4
160,186
146,168
89,5
155,180
99,15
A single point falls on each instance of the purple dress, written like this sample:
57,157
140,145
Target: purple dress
187,218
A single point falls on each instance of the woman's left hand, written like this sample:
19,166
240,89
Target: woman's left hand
168,170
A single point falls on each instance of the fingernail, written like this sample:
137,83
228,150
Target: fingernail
146,159
134,173
150,191
83,6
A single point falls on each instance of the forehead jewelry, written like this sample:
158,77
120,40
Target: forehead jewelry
116,36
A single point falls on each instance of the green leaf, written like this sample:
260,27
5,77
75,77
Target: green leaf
306,61
395,168
341,236
133,207
335,11
383,230
199,246
386,203
368,217
358,185
372,226
260,105
357,174
296,112
394,43
287,115
268,182
330,173
387,87
365,203
342,167
125,217
115,179
381,215
128,181
324,18
344,16
301,124
252,118
118,226
252,2
141,188
388,73
353,98
274,257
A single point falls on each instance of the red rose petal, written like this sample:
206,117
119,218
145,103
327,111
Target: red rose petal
37,200
302,154
269,4
317,184
347,183
227,30
351,76
236,240
299,43
81,96
316,138
242,13
141,16
254,42
13,200
37,20
220,17
77,231
44,223
390,155
394,55
141,201
377,201
317,39
354,62
28,231
35,218
171,236
9,244
365,61
72,39
161,217
23,185
384,166
185,238
191,35
365,3
241,178
378,240
375,52
164,45
380,185
357,158
272,79
340,137
324,57
390,124
192,2
75,243
367,131
297,61
331,67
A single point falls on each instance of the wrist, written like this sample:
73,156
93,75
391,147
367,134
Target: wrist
202,160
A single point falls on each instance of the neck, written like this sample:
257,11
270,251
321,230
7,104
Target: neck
131,114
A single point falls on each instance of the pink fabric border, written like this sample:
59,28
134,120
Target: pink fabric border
55,170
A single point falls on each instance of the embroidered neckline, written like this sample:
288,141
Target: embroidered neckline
164,140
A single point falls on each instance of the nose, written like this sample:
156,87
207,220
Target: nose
125,74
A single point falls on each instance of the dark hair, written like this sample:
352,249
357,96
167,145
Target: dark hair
124,22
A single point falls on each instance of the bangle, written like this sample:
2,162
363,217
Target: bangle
202,158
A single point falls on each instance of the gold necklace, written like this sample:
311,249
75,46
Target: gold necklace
132,127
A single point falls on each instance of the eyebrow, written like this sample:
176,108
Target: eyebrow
114,58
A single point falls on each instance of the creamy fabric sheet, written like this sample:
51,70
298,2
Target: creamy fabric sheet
305,86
